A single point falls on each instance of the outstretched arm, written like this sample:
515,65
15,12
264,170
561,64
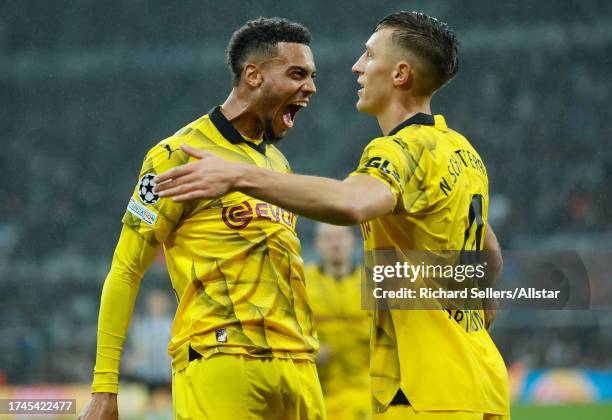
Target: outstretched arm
354,200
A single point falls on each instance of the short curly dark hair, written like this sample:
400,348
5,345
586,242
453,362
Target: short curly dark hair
429,39
261,36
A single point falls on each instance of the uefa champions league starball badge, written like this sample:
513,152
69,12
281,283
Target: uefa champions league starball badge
145,190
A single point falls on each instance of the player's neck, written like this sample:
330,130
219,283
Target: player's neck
399,111
337,271
236,110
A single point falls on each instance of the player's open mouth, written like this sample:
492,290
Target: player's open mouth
290,111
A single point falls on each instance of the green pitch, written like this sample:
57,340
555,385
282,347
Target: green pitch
562,412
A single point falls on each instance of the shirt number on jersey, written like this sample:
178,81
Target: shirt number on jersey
472,238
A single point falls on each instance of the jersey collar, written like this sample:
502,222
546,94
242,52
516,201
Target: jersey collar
230,133
418,118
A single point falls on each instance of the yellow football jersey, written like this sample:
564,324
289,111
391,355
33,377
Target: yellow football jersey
343,328
440,187
235,262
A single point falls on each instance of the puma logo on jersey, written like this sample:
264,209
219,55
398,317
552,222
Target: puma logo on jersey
170,150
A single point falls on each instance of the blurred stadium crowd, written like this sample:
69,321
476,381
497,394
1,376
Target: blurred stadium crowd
88,89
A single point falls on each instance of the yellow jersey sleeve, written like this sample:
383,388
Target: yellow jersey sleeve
147,223
148,215
133,255
395,163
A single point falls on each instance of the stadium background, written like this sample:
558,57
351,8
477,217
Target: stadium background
87,87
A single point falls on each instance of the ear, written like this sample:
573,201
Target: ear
403,74
251,74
